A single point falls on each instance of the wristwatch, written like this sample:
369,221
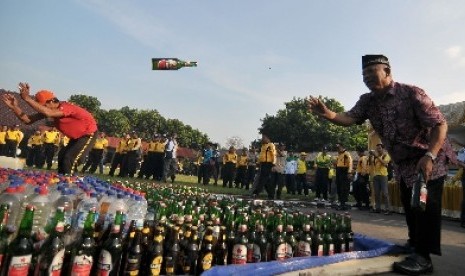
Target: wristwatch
431,155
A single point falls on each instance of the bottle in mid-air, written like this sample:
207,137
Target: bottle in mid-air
171,63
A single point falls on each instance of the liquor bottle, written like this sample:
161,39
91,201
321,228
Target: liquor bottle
155,254
304,246
221,248
171,64
134,256
338,238
328,244
317,244
20,250
206,252
83,251
191,253
4,208
146,241
253,250
263,244
52,252
279,244
173,252
291,241
239,252
349,235
231,237
109,260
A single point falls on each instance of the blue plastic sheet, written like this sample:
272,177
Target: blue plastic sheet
365,247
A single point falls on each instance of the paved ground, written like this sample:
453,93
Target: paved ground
393,228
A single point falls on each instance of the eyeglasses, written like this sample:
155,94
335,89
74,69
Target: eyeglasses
51,100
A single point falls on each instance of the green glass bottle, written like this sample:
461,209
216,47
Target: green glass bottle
239,252
4,209
221,248
191,253
83,250
291,241
279,244
304,246
109,259
20,250
52,251
171,64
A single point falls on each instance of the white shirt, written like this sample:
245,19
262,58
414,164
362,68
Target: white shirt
291,167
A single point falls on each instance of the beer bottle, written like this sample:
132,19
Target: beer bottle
51,256
239,252
145,242
338,238
304,246
83,251
263,244
109,260
221,248
349,235
328,244
231,237
4,209
155,254
134,255
172,255
206,252
20,249
171,64
291,241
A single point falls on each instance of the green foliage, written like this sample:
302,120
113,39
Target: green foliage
300,130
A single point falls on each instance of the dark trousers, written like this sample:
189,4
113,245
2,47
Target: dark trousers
158,163
342,184
264,178
228,174
250,176
290,183
93,160
200,173
207,170
241,175
322,180
69,156
2,149
277,184
10,148
34,156
131,162
144,167
301,183
117,161
49,153
424,227
361,190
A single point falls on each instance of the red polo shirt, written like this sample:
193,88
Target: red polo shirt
76,122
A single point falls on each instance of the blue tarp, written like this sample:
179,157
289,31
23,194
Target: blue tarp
365,247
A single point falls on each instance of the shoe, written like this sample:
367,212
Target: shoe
316,199
414,265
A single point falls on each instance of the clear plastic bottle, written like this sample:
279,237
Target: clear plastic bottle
117,205
138,211
43,210
66,202
83,209
10,197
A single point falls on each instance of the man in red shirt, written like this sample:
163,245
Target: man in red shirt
73,121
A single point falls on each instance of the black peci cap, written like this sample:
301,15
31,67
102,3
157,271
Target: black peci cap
368,60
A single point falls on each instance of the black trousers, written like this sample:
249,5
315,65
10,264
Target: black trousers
290,183
342,184
251,171
49,153
424,227
117,161
69,156
207,170
241,175
159,163
277,184
228,174
361,190
264,178
93,161
10,148
301,183
34,156
322,180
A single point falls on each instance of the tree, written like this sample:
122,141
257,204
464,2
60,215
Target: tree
235,141
114,123
300,130
90,103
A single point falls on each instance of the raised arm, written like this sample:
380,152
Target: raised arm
316,106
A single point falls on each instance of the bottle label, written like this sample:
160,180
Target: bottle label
331,249
104,264
239,254
132,266
303,249
257,253
284,251
320,250
81,218
57,264
155,266
82,265
351,246
19,265
207,261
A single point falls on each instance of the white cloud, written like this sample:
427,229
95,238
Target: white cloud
454,52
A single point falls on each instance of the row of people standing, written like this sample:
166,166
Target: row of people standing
10,137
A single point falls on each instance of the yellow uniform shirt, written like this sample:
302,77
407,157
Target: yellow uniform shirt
51,137
151,146
344,160
323,161
35,140
15,135
101,143
362,166
267,153
242,161
379,168
121,146
229,158
160,147
2,137
301,166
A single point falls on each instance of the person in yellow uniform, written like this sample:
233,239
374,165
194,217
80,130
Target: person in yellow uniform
133,154
159,157
34,145
96,154
301,175
229,167
147,167
266,161
3,130
12,139
343,169
361,184
51,139
322,164
118,155
380,180
241,167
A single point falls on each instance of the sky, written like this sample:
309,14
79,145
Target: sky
253,55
